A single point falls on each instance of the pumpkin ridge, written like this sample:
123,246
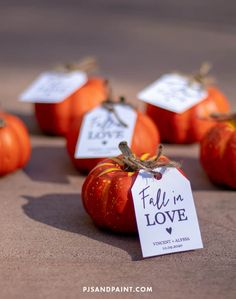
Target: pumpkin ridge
9,161
94,174
225,143
1,155
227,165
19,141
150,135
105,199
2,117
103,164
14,131
15,144
109,170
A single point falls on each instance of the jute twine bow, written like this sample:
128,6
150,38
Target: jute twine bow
110,104
133,163
201,76
87,65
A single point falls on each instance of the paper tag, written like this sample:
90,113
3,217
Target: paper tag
101,132
53,87
165,213
173,92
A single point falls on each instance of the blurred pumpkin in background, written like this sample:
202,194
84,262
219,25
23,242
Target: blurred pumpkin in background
218,151
145,139
191,125
15,147
55,118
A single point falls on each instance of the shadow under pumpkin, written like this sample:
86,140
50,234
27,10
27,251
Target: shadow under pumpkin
50,163
66,212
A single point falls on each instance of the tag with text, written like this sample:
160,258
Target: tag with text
102,131
53,87
173,92
165,213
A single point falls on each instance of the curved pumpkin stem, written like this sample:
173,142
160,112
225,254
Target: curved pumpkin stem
2,123
134,164
87,64
220,117
202,76
223,116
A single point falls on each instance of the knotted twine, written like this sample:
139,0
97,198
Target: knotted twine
133,163
87,64
201,76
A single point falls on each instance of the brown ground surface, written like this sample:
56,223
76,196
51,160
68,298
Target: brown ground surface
48,246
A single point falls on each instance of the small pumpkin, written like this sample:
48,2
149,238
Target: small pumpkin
218,151
189,126
145,139
56,118
15,148
106,192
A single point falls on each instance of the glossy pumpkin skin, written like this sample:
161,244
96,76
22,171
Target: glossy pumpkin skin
107,198
218,154
15,148
188,127
56,118
145,139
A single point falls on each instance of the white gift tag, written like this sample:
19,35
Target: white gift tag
165,213
173,92
101,132
53,87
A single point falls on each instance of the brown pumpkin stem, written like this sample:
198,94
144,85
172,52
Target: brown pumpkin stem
221,117
87,64
134,164
202,76
109,104
2,123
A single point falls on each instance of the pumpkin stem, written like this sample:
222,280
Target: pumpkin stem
202,75
221,117
134,164
87,64
2,123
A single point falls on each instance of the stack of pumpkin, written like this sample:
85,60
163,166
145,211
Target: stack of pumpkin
208,122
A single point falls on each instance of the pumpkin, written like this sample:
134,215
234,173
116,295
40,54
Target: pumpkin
106,192
190,126
15,148
55,118
218,152
145,139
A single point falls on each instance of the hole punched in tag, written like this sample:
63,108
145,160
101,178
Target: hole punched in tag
131,163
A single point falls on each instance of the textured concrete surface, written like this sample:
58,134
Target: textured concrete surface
49,248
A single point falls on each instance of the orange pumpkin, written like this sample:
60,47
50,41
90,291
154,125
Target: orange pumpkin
106,193
56,118
218,153
190,126
145,139
15,148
